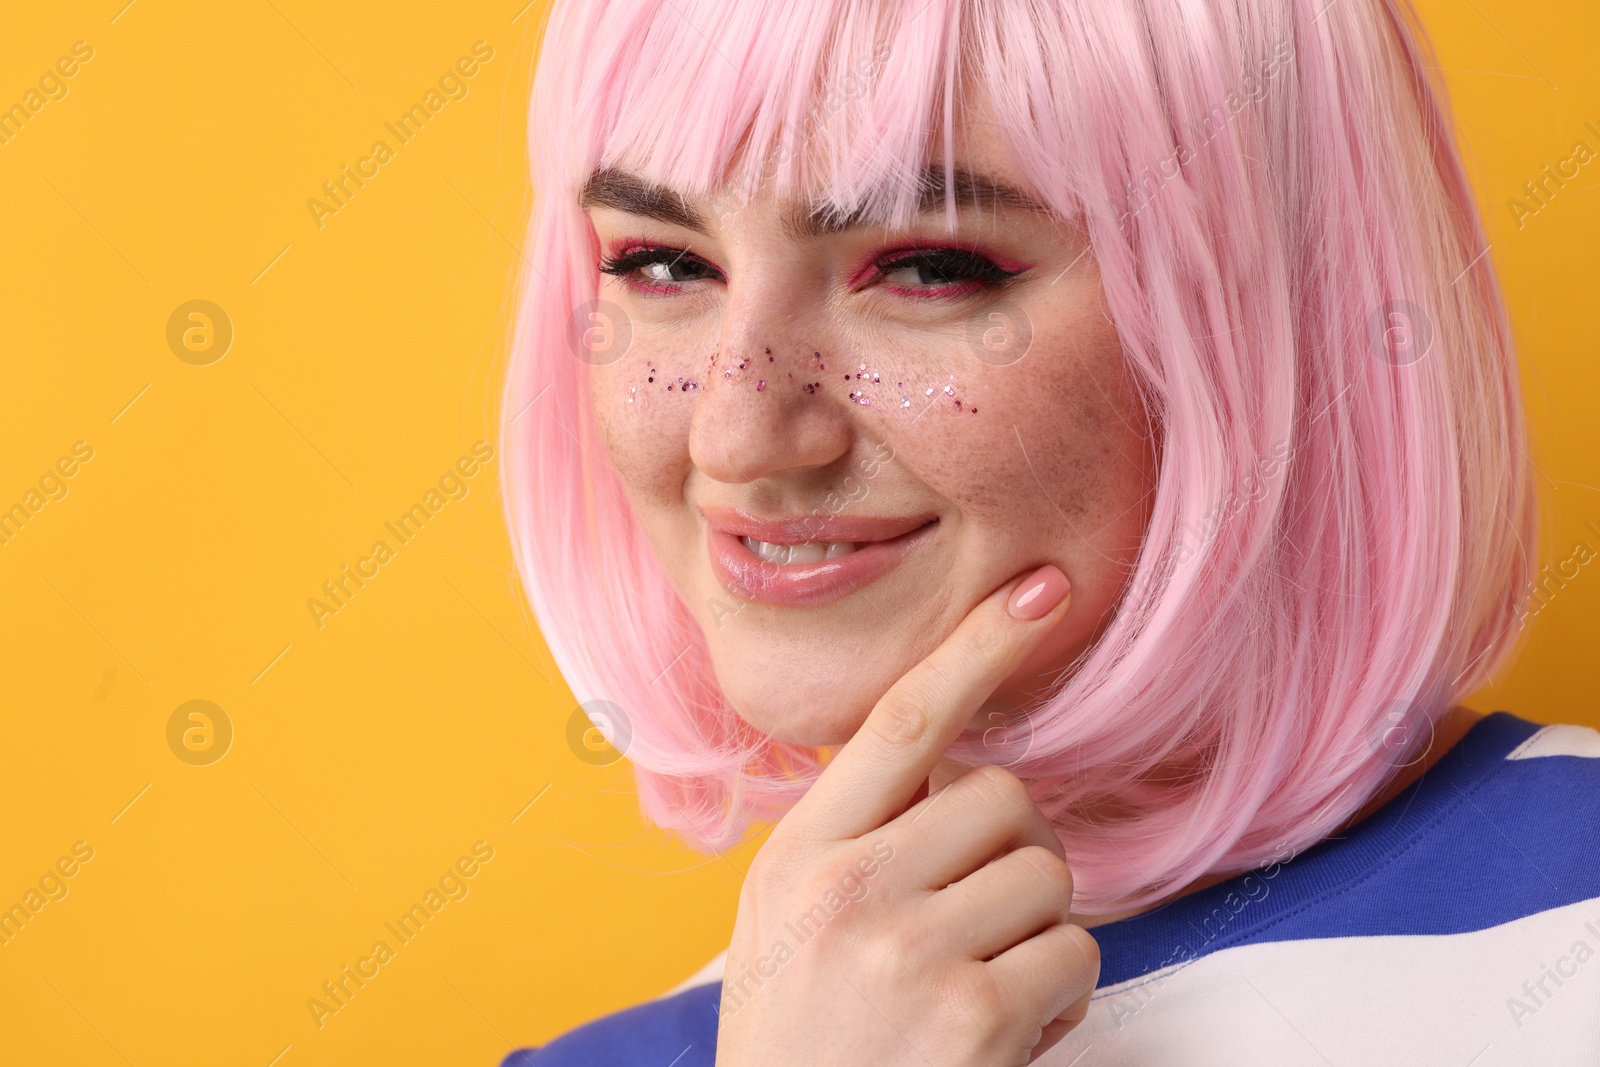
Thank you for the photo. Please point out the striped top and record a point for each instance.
(1457, 925)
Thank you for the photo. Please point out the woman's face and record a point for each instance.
(925, 413)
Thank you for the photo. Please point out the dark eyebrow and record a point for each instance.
(619, 189)
(627, 192)
(970, 189)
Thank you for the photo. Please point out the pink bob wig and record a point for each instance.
(1343, 527)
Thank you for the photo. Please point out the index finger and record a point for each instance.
(874, 776)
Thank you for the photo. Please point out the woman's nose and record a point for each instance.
(767, 406)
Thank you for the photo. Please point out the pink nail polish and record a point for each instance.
(1039, 593)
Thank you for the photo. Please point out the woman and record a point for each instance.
(1100, 419)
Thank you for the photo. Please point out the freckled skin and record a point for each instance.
(1055, 465)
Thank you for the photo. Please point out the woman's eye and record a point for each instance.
(934, 272)
(658, 269)
(942, 272)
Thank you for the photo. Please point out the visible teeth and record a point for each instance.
(769, 552)
(809, 552)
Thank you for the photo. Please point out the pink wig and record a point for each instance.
(1344, 525)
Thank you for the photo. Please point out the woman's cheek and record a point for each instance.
(1048, 450)
(962, 440)
(643, 428)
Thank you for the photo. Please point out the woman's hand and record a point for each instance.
(882, 926)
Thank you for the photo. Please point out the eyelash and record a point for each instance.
(624, 264)
(981, 273)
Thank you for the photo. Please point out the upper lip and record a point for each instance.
(818, 526)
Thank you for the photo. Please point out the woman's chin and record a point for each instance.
(800, 710)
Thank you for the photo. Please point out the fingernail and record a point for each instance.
(1039, 593)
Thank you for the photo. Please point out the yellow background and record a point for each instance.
(369, 754)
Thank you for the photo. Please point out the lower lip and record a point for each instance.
(797, 585)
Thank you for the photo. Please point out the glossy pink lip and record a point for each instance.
(882, 544)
